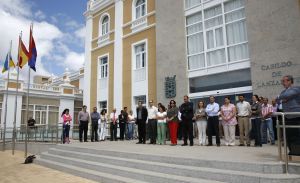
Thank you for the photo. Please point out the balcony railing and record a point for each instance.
(139, 23)
(103, 39)
(42, 87)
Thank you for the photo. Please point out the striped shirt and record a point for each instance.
(266, 109)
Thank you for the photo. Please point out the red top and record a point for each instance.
(67, 119)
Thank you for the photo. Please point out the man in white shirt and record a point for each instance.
(243, 112)
(212, 110)
(152, 122)
(113, 125)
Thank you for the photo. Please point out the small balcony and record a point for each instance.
(103, 39)
(139, 23)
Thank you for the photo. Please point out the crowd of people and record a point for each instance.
(156, 123)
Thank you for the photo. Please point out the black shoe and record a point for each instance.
(80, 140)
(144, 142)
(184, 145)
(209, 145)
(218, 145)
(242, 145)
(92, 141)
(248, 145)
(138, 142)
(191, 144)
(150, 143)
(97, 140)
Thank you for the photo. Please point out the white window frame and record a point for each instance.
(225, 46)
(101, 65)
(145, 52)
(101, 31)
(134, 8)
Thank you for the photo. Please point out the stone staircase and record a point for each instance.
(107, 166)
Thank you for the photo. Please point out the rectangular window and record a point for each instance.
(140, 10)
(195, 41)
(216, 35)
(103, 105)
(140, 98)
(191, 3)
(140, 56)
(103, 70)
(226, 80)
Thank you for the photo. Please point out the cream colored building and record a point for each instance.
(48, 97)
(123, 61)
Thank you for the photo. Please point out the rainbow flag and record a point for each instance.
(23, 54)
(8, 63)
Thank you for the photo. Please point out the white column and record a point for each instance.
(87, 61)
(118, 56)
(11, 109)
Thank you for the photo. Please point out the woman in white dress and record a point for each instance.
(103, 124)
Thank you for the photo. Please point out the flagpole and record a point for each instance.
(16, 101)
(27, 99)
(6, 98)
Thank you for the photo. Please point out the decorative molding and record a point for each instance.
(148, 15)
(133, 33)
(97, 38)
(98, 47)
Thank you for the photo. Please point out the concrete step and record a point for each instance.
(85, 173)
(160, 172)
(272, 167)
(106, 173)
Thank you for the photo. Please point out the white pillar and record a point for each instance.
(11, 109)
(87, 61)
(118, 56)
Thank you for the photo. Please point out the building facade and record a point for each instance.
(129, 53)
(162, 50)
(241, 46)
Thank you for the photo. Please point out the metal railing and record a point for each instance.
(44, 133)
(38, 133)
(283, 126)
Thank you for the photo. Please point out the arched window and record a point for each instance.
(140, 8)
(105, 25)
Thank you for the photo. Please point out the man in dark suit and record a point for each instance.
(122, 122)
(290, 99)
(142, 115)
(187, 113)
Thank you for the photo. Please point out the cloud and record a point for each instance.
(52, 43)
(80, 33)
(72, 24)
(74, 61)
(39, 15)
(16, 7)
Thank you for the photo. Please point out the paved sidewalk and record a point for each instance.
(13, 171)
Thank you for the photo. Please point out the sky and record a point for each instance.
(58, 30)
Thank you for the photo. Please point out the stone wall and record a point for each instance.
(274, 43)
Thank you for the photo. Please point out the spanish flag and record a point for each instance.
(23, 54)
(8, 63)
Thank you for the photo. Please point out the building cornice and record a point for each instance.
(96, 6)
